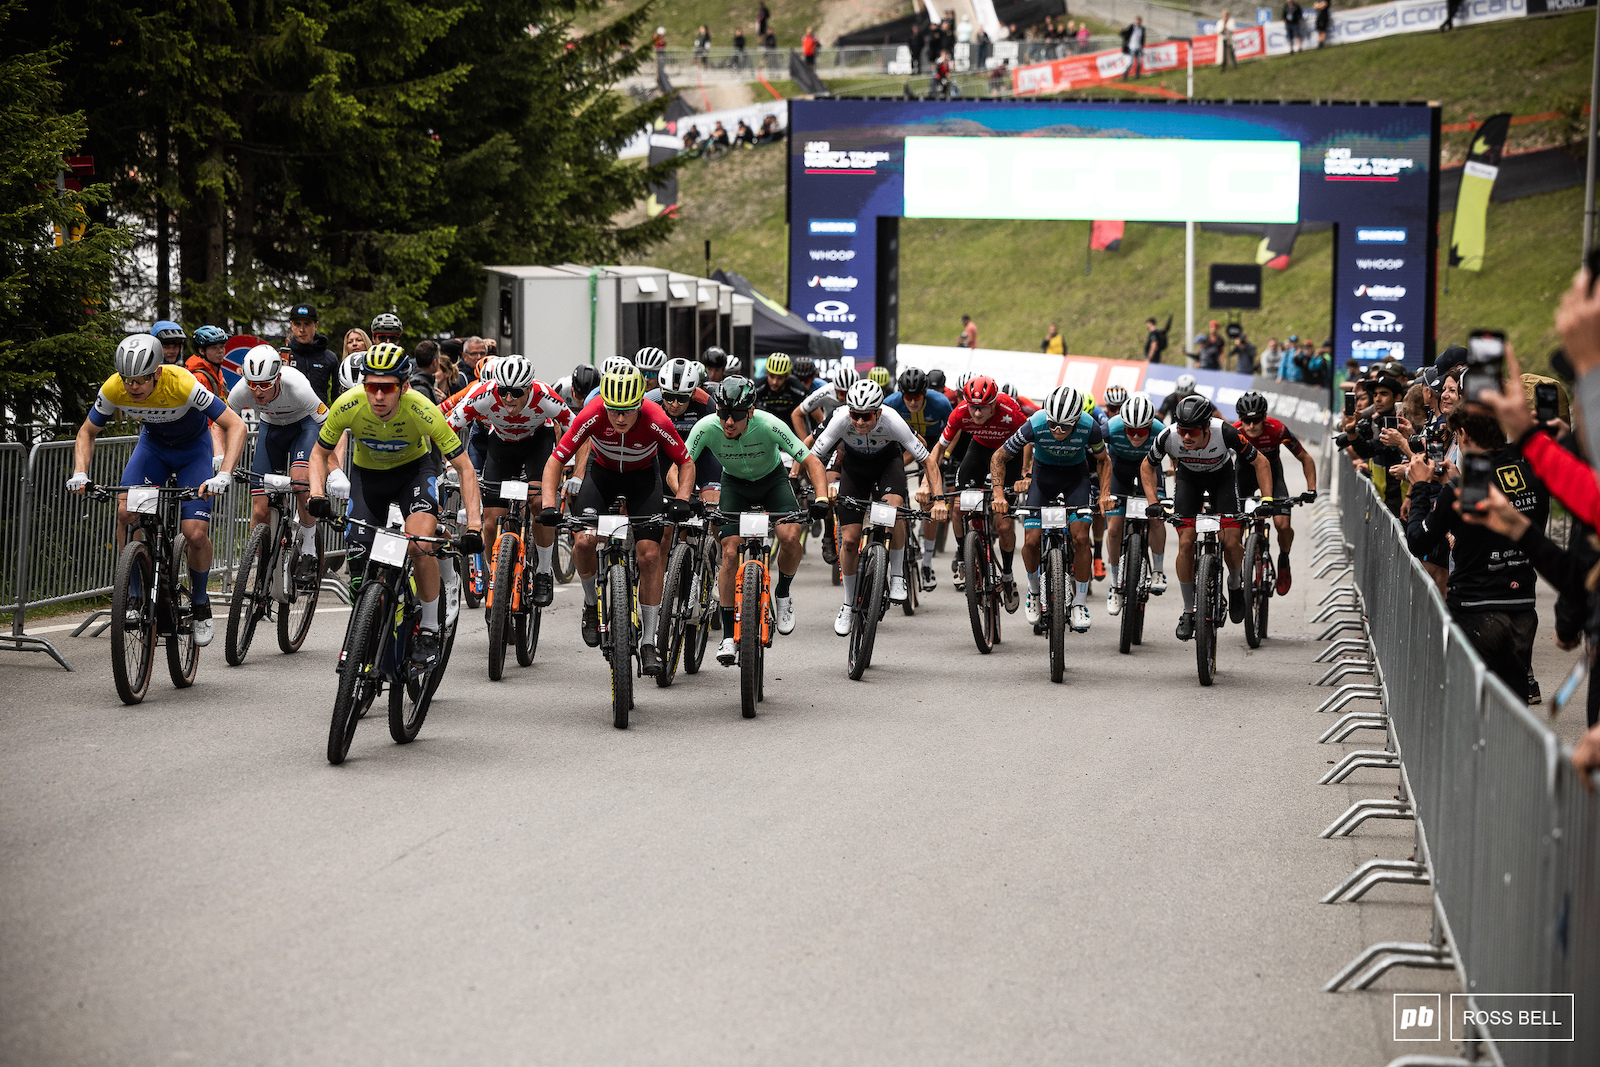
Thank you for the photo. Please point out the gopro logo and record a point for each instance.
(837, 227)
(1372, 235)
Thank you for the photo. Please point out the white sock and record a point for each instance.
(927, 552)
(897, 564)
(849, 589)
(590, 597)
(430, 614)
(1111, 572)
(308, 540)
(648, 613)
(1033, 582)
(546, 553)
(1159, 559)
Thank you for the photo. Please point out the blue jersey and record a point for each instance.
(1086, 439)
(929, 423)
(1124, 450)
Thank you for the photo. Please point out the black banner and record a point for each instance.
(1236, 286)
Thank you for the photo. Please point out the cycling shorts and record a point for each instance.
(975, 467)
(707, 470)
(868, 478)
(518, 460)
(152, 463)
(641, 488)
(413, 486)
(478, 447)
(280, 447)
(773, 494)
(1125, 481)
(1192, 488)
(1247, 479)
(1050, 481)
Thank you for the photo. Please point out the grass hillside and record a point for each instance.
(828, 18)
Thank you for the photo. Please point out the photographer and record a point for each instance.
(1378, 439)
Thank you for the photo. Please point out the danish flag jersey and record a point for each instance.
(483, 404)
(634, 450)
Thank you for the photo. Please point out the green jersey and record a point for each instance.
(752, 455)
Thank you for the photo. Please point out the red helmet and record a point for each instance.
(980, 390)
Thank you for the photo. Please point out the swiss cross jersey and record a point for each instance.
(484, 404)
(293, 401)
(632, 451)
(1123, 450)
(1006, 420)
(1274, 435)
(1085, 439)
(1215, 453)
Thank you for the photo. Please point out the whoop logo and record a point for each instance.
(1377, 322)
(833, 255)
(830, 311)
(1364, 264)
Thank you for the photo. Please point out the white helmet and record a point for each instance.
(865, 395)
(138, 354)
(649, 359)
(349, 371)
(261, 364)
(1184, 385)
(1064, 407)
(679, 378)
(615, 363)
(701, 373)
(515, 372)
(489, 369)
(1137, 412)
(844, 376)
(963, 378)
(1013, 392)
(734, 366)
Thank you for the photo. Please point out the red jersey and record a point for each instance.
(1028, 407)
(1273, 434)
(1006, 420)
(483, 403)
(632, 451)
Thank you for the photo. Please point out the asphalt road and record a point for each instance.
(952, 861)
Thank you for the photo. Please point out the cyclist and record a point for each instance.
(734, 366)
(1184, 386)
(1029, 408)
(522, 416)
(805, 373)
(1111, 403)
(1202, 448)
(1271, 436)
(872, 439)
(927, 413)
(1055, 446)
(750, 445)
(395, 431)
(988, 418)
(779, 393)
(882, 377)
(716, 363)
(170, 334)
(576, 387)
(619, 364)
(936, 382)
(685, 403)
(819, 406)
(387, 329)
(1128, 441)
(1099, 527)
(291, 416)
(650, 360)
(625, 430)
(210, 344)
(176, 415)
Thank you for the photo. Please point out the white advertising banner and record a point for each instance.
(752, 114)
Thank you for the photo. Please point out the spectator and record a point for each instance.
(763, 18)
(472, 353)
(999, 77)
(769, 130)
(738, 48)
(1319, 365)
(691, 140)
(309, 353)
(1083, 37)
(744, 135)
(702, 45)
(448, 380)
(1450, 9)
(210, 345)
(1211, 346)
(980, 51)
(659, 43)
(719, 135)
(769, 49)
(1155, 340)
(1324, 19)
(1377, 440)
(170, 334)
(964, 30)
(356, 340)
(1226, 27)
(1243, 354)
(1133, 47)
(919, 44)
(426, 356)
(808, 48)
(969, 333)
(1269, 359)
(1294, 17)
(1053, 344)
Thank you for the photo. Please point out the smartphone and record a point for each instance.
(1476, 470)
(1388, 422)
(1486, 357)
(1546, 402)
(1350, 403)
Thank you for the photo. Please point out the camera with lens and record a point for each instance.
(1362, 432)
(1417, 442)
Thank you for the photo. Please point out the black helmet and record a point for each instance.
(1251, 405)
(1193, 411)
(804, 367)
(913, 382)
(736, 393)
(585, 380)
(936, 379)
(714, 357)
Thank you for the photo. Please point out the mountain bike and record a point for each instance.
(1211, 593)
(980, 568)
(150, 594)
(377, 643)
(688, 600)
(1260, 575)
(474, 573)
(1133, 582)
(265, 584)
(1055, 577)
(562, 563)
(754, 620)
(619, 602)
(872, 577)
(513, 616)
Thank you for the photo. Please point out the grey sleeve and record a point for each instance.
(1589, 401)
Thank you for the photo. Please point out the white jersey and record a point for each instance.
(484, 404)
(1215, 452)
(890, 431)
(825, 400)
(294, 400)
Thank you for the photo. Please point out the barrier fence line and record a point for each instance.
(1509, 835)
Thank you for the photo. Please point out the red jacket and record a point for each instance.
(1569, 479)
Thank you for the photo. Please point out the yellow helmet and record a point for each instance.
(779, 364)
(882, 376)
(622, 389)
(387, 358)
(1088, 403)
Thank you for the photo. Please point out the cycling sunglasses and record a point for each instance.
(863, 416)
(381, 388)
(515, 392)
(676, 398)
(733, 414)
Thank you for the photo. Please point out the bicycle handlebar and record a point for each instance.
(106, 492)
(346, 521)
(903, 512)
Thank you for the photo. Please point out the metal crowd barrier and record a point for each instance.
(1508, 833)
(63, 546)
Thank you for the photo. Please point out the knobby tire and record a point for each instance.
(183, 654)
(248, 603)
(1056, 596)
(978, 612)
(1252, 588)
(1132, 576)
(1205, 627)
(621, 627)
(750, 649)
(133, 651)
(871, 575)
(359, 680)
(500, 605)
(675, 608)
(294, 618)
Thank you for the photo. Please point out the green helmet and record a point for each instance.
(736, 393)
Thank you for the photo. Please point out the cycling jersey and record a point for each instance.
(295, 400)
(177, 413)
(1006, 420)
(889, 434)
(930, 421)
(824, 400)
(1029, 408)
(780, 401)
(1215, 453)
(752, 455)
(386, 444)
(707, 471)
(634, 450)
(1084, 440)
(483, 404)
(1123, 450)
(1274, 434)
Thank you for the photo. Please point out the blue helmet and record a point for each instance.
(166, 330)
(210, 335)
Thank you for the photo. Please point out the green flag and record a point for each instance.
(1468, 236)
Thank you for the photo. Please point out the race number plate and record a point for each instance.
(510, 490)
(144, 499)
(276, 483)
(395, 519)
(389, 548)
(754, 524)
(695, 523)
(882, 514)
(972, 500)
(1136, 507)
(612, 525)
(1251, 505)
(1052, 518)
(1207, 524)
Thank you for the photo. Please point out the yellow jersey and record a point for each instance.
(384, 444)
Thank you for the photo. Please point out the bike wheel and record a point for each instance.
(183, 654)
(133, 648)
(359, 679)
(872, 578)
(1205, 627)
(1132, 575)
(563, 564)
(248, 601)
(618, 608)
(978, 612)
(409, 703)
(294, 618)
(750, 647)
(474, 580)
(528, 631)
(908, 566)
(500, 594)
(1055, 576)
(1252, 588)
(675, 606)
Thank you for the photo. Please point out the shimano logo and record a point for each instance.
(833, 226)
(833, 284)
(830, 311)
(1365, 264)
(1381, 292)
(1377, 322)
(833, 255)
(1372, 235)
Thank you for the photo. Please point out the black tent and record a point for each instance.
(777, 329)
